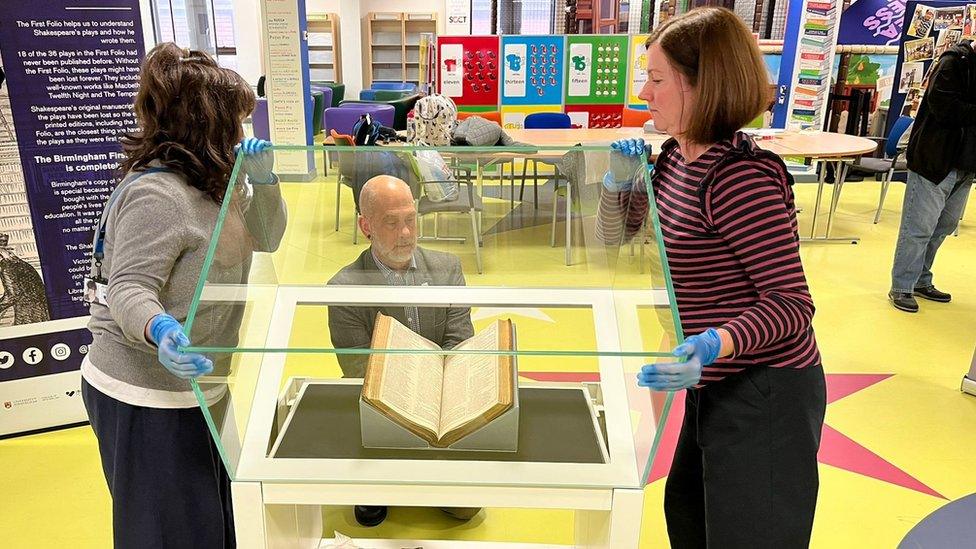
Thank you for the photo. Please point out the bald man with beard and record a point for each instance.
(388, 218)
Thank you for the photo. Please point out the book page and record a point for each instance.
(471, 382)
(411, 383)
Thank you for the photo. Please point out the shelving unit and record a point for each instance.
(324, 56)
(393, 38)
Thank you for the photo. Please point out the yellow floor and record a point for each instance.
(916, 420)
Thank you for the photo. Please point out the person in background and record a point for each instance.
(389, 221)
(941, 161)
(745, 469)
(168, 485)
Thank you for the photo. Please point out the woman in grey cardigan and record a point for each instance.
(168, 485)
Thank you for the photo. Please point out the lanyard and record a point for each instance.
(98, 248)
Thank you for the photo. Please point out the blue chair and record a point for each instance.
(892, 161)
(406, 88)
(548, 121)
(394, 86)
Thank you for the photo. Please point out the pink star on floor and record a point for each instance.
(836, 449)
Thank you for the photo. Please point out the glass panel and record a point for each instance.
(505, 260)
(164, 21)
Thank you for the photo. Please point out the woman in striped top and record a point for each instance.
(745, 470)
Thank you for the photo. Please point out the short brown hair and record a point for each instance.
(721, 59)
(189, 111)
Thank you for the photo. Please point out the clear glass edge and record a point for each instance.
(201, 282)
(678, 332)
(669, 399)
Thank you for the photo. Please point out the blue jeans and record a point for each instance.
(929, 214)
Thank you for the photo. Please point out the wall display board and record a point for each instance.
(71, 76)
(637, 61)
(586, 76)
(533, 70)
(929, 29)
(596, 69)
(469, 70)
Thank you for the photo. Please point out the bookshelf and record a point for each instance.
(393, 39)
(324, 56)
(814, 62)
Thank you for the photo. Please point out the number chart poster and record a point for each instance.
(596, 70)
(532, 70)
(71, 69)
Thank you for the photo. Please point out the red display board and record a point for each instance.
(596, 116)
(468, 69)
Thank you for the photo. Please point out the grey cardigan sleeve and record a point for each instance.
(147, 236)
(266, 216)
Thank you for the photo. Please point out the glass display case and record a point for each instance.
(526, 278)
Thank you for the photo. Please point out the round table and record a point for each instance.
(838, 148)
(807, 144)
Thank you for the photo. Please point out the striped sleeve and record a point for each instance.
(621, 214)
(748, 210)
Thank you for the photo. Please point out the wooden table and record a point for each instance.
(840, 149)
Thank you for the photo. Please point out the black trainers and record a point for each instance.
(903, 301)
(370, 515)
(932, 294)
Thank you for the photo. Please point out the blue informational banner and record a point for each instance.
(71, 71)
(533, 72)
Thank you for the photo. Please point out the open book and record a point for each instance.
(440, 398)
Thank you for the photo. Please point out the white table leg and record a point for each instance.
(260, 526)
(248, 515)
(620, 527)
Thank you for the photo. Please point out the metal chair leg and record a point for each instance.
(477, 239)
(338, 197)
(525, 165)
(535, 184)
(555, 203)
(884, 193)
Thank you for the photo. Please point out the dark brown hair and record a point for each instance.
(189, 111)
(720, 58)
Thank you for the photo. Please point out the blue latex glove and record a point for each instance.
(617, 179)
(258, 160)
(629, 147)
(167, 333)
(698, 350)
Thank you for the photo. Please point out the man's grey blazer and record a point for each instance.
(352, 326)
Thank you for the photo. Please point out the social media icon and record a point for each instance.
(60, 351)
(32, 355)
(6, 360)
